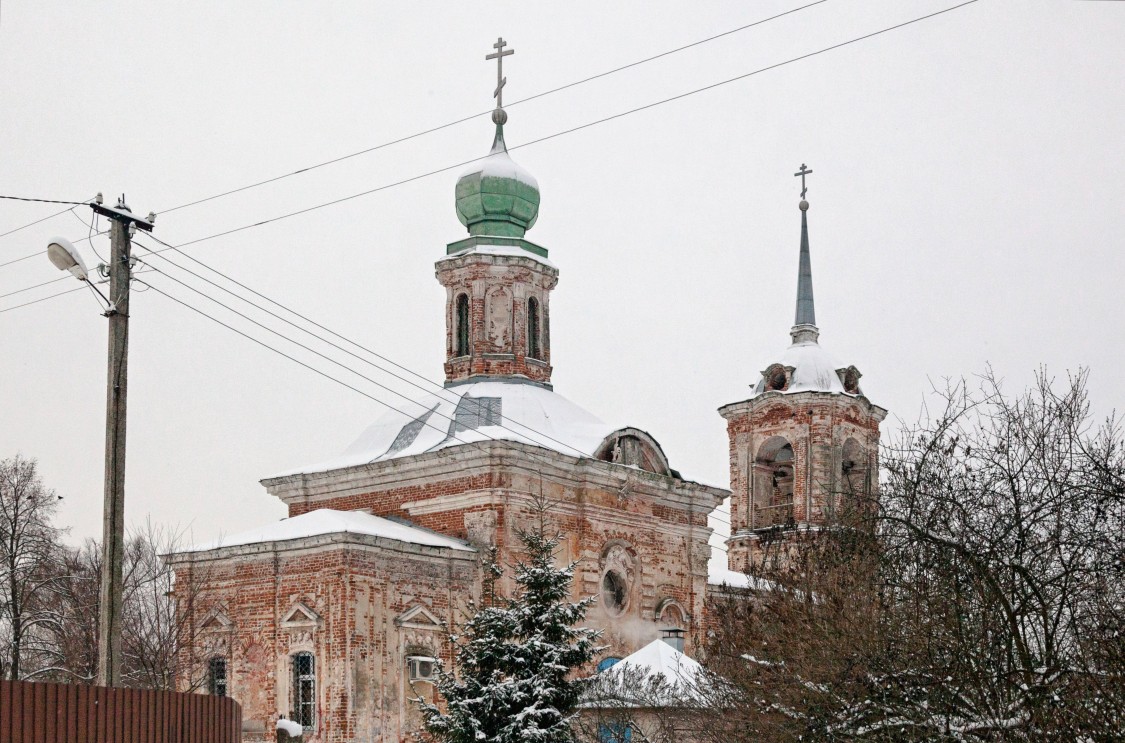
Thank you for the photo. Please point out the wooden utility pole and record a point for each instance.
(113, 519)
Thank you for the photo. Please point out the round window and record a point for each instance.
(614, 592)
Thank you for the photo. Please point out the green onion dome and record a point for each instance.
(495, 196)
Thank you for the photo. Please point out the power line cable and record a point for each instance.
(265, 345)
(580, 127)
(482, 113)
(32, 224)
(40, 252)
(437, 387)
(382, 386)
(43, 201)
(42, 299)
(36, 286)
(449, 395)
(561, 133)
(452, 397)
(448, 434)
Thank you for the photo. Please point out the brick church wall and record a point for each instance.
(355, 591)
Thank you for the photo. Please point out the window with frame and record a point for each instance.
(217, 676)
(462, 325)
(304, 690)
(533, 328)
(615, 732)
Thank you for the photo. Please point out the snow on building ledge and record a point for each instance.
(328, 525)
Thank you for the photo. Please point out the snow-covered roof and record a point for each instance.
(719, 575)
(660, 659)
(469, 412)
(814, 369)
(328, 521)
(655, 675)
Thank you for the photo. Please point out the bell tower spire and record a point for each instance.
(804, 444)
(806, 315)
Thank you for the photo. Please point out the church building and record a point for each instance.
(334, 617)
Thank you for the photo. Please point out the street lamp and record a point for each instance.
(66, 258)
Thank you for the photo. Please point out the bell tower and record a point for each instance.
(497, 283)
(804, 442)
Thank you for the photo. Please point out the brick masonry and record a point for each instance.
(650, 528)
(498, 288)
(834, 440)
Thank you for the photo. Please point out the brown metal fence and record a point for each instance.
(32, 712)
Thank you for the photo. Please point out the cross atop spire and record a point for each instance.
(803, 172)
(499, 55)
(805, 322)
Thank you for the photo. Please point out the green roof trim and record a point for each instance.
(469, 243)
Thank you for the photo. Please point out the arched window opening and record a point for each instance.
(773, 485)
(462, 328)
(533, 328)
(217, 676)
(854, 480)
(304, 690)
(614, 592)
(776, 378)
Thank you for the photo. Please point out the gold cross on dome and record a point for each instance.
(803, 172)
(499, 55)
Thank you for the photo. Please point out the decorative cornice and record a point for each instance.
(467, 460)
(465, 247)
(338, 540)
(760, 400)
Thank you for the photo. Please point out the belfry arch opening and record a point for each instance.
(461, 321)
(772, 485)
(855, 477)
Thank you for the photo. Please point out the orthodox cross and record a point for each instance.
(500, 79)
(803, 172)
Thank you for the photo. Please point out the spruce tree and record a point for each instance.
(514, 657)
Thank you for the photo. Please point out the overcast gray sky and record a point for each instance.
(966, 210)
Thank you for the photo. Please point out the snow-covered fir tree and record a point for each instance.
(515, 656)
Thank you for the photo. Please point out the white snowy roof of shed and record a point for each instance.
(660, 659)
(470, 412)
(675, 680)
(328, 521)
